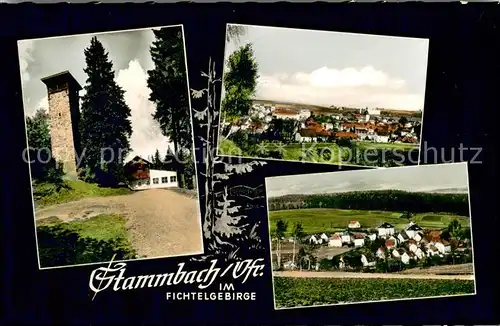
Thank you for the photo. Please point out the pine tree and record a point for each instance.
(105, 119)
(169, 161)
(168, 85)
(157, 161)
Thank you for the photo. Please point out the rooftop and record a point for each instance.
(64, 76)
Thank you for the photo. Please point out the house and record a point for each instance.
(335, 241)
(380, 253)
(432, 236)
(359, 240)
(440, 247)
(447, 246)
(328, 126)
(381, 138)
(365, 262)
(324, 237)
(385, 229)
(395, 253)
(372, 236)
(354, 225)
(412, 245)
(419, 253)
(346, 135)
(390, 243)
(393, 238)
(289, 265)
(412, 230)
(314, 239)
(403, 236)
(432, 251)
(417, 237)
(405, 258)
(141, 177)
(346, 238)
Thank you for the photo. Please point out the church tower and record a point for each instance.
(64, 113)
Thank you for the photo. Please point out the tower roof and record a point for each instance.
(61, 77)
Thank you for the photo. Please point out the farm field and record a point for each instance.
(318, 220)
(460, 269)
(328, 152)
(299, 292)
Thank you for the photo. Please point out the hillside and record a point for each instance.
(319, 220)
(378, 200)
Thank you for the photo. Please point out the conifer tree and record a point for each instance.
(169, 91)
(105, 119)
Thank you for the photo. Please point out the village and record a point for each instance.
(409, 246)
(310, 125)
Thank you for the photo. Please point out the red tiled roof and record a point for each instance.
(343, 134)
(390, 243)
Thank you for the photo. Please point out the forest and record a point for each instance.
(382, 200)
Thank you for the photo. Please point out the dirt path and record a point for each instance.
(371, 275)
(161, 222)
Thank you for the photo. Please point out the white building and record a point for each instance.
(405, 258)
(412, 229)
(359, 242)
(386, 229)
(354, 225)
(346, 238)
(141, 177)
(335, 241)
(367, 263)
(157, 179)
(381, 139)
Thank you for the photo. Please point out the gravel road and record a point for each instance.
(371, 275)
(160, 222)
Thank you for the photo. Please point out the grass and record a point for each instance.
(330, 152)
(101, 227)
(317, 220)
(297, 292)
(46, 194)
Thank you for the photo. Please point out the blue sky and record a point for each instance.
(330, 68)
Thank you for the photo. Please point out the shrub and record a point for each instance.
(58, 246)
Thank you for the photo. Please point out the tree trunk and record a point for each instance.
(278, 253)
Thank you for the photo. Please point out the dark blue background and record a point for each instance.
(461, 107)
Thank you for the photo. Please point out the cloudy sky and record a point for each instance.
(425, 178)
(328, 68)
(129, 52)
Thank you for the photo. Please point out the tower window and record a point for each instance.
(60, 114)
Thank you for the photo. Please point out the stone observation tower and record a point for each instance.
(64, 115)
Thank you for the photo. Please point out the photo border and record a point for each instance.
(374, 301)
(323, 163)
(188, 90)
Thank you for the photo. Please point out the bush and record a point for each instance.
(344, 142)
(326, 264)
(228, 147)
(58, 246)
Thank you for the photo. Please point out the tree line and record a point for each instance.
(105, 116)
(384, 200)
